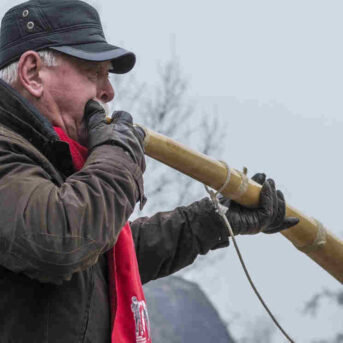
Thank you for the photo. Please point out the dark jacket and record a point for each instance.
(57, 224)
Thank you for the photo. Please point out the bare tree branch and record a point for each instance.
(165, 108)
(312, 306)
(261, 330)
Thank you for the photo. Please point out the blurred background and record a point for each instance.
(257, 84)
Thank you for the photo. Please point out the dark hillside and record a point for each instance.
(180, 312)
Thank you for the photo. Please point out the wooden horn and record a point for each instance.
(309, 236)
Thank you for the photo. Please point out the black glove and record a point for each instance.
(118, 130)
(268, 217)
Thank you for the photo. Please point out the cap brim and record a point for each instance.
(122, 60)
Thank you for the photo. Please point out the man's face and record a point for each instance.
(69, 86)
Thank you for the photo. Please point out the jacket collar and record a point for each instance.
(19, 115)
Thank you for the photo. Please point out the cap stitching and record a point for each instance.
(44, 19)
(12, 59)
(44, 33)
(19, 29)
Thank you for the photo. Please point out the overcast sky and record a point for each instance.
(272, 70)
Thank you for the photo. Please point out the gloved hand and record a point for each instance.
(118, 130)
(268, 217)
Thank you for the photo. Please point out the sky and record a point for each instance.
(272, 71)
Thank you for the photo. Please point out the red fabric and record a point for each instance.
(129, 316)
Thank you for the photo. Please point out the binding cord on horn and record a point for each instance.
(222, 212)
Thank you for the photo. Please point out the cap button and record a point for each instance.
(25, 13)
(30, 25)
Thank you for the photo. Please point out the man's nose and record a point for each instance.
(106, 93)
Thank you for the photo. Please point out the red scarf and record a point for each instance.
(129, 315)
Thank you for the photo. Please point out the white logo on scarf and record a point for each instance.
(142, 321)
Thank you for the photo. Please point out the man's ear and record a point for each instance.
(29, 77)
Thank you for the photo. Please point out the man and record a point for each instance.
(69, 181)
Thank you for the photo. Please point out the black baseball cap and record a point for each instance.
(72, 27)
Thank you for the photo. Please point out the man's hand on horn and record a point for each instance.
(117, 130)
(268, 217)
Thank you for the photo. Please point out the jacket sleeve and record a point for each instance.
(50, 231)
(169, 241)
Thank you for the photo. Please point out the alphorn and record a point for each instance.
(309, 235)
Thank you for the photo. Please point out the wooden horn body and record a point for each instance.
(309, 236)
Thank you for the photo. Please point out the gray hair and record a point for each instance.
(9, 74)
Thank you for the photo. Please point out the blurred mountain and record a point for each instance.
(180, 312)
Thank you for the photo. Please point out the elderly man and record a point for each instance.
(69, 180)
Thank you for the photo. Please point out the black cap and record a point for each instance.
(69, 26)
